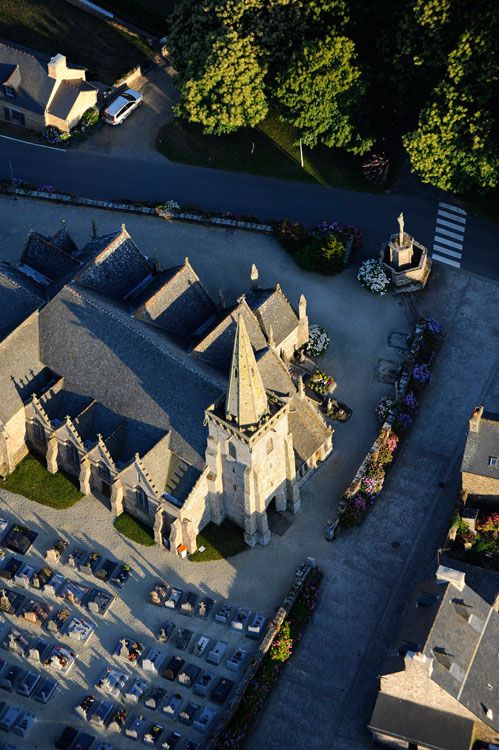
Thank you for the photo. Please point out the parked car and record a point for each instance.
(117, 112)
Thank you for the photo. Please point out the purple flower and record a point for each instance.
(422, 374)
(411, 401)
(434, 327)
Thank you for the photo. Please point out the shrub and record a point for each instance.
(330, 253)
(372, 277)
(422, 374)
(318, 341)
(282, 647)
(384, 407)
(292, 236)
(373, 479)
(306, 257)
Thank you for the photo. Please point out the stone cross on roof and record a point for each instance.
(246, 397)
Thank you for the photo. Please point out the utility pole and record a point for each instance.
(12, 179)
(301, 154)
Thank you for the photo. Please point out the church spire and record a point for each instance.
(246, 398)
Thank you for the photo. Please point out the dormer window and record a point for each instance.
(232, 450)
(9, 91)
(493, 461)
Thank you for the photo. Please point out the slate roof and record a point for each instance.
(421, 725)
(96, 420)
(217, 343)
(274, 374)
(17, 300)
(181, 478)
(46, 258)
(460, 631)
(180, 304)
(482, 444)
(484, 582)
(63, 403)
(117, 265)
(25, 372)
(66, 97)
(309, 431)
(129, 438)
(273, 309)
(63, 241)
(125, 366)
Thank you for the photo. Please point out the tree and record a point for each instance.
(320, 93)
(228, 90)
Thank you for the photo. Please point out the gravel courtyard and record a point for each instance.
(332, 676)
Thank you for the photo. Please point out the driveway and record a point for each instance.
(138, 133)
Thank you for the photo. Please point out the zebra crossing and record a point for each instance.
(449, 234)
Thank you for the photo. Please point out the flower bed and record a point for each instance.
(320, 382)
(252, 702)
(87, 123)
(373, 278)
(480, 547)
(397, 417)
(318, 341)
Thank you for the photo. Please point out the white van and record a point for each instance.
(117, 112)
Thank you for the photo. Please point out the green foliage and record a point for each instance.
(135, 530)
(292, 236)
(220, 542)
(31, 479)
(330, 253)
(228, 92)
(320, 94)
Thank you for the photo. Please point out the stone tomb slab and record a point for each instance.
(99, 601)
(10, 568)
(154, 697)
(201, 645)
(85, 708)
(112, 681)
(136, 690)
(173, 705)
(15, 641)
(106, 570)
(387, 371)
(101, 713)
(165, 631)
(172, 741)
(159, 594)
(42, 577)
(205, 719)
(152, 662)
(90, 563)
(24, 724)
(4, 525)
(152, 736)
(61, 659)
(188, 604)
(221, 690)
(205, 607)
(189, 712)
(35, 611)
(45, 690)
(80, 629)
(73, 591)
(171, 670)
(398, 340)
(189, 675)
(103, 745)
(9, 718)
(224, 613)
(128, 650)
(182, 638)
(256, 626)
(28, 683)
(204, 683)
(54, 586)
(59, 621)
(240, 620)
(83, 741)
(25, 574)
(192, 744)
(55, 552)
(10, 601)
(136, 727)
(77, 557)
(37, 649)
(118, 720)
(19, 538)
(9, 677)
(174, 597)
(217, 653)
(236, 661)
(121, 576)
(66, 738)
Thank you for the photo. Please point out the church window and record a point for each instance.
(38, 431)
(72, 453)
(141, 499)
(232, 450)
(270, 445)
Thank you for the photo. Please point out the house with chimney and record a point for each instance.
(480, 465)
(159, 401)
(439, 685)
(37, 90)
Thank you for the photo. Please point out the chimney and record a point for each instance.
(448, 575)
(254, 277)
(475, 419)
(418, 662)
(57, 67)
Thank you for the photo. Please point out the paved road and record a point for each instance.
(151, 177)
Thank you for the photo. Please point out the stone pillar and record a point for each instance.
(214, 481)
(303, 321)
(52, 454)
(176, 536)
(262, 525)
(84, 477)
(190, 536)
(250, 506)
(117, 497)
(158, 526)
(293, 492)
(250, 530)
(254, 277)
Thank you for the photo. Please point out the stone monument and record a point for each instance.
(405, 261)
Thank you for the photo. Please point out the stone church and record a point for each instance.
(129, 377)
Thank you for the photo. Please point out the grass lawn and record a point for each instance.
(221, 541)
(31, 479)
(53, 26)
(135, 530)
(150, 15)
(275, 154)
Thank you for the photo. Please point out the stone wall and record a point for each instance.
(273, 628)
(480, 485)
(31, 120)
